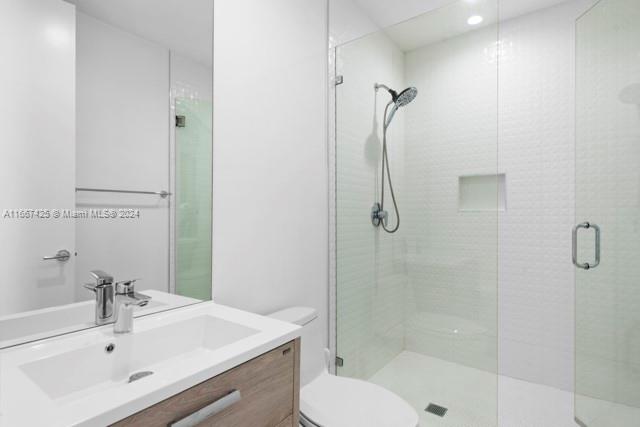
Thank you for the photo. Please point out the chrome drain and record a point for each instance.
(436, 409)
(139, 375)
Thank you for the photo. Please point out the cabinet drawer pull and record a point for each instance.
(209, 410)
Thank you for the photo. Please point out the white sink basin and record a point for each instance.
(72, 381)
(89, 369)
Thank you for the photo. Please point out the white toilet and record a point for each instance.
(330, 401)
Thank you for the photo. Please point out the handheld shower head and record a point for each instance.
(378, 214)
(398, 99)
(406, 96)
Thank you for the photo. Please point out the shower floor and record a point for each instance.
(470, 396)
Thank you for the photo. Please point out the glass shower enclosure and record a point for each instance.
(607, 237)
(416, 310)
(193, 197)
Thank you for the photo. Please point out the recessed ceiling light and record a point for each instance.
(475, 20)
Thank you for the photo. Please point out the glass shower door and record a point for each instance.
(607, 238)
(193, 198)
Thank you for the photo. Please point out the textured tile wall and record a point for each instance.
(536, 152)
(451, 131)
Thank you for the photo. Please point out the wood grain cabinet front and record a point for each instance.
(263, 392)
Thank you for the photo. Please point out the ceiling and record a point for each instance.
(414, 23)
(385, 12)
(186, 26)
(183, 26)
(442, 23)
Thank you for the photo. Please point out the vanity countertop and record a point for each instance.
(73, 380)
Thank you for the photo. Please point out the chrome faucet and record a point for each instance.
(103, 288)
(115, 303)
(126, 299)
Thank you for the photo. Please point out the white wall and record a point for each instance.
(37, 158)
(270, 159)
(122, 143)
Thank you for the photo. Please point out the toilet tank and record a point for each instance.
(312, 358)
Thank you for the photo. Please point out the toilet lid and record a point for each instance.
(332, 401)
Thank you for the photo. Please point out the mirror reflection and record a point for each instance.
(107, 184)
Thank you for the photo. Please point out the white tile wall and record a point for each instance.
(451, 132)
(537, 155)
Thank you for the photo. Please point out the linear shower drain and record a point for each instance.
(436, 409)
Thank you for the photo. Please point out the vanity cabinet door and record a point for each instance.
(268, 387)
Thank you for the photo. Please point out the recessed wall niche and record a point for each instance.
(482, 193)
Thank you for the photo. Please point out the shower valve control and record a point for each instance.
(378, 215)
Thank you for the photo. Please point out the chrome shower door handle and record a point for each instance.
(597, 256)
(574, 251)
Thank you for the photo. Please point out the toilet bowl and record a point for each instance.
(327, 400)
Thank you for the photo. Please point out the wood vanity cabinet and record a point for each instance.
(269, 389)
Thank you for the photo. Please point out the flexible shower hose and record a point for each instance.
(385, 167)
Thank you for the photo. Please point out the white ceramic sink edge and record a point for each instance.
(29, 398)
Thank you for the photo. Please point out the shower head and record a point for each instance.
(400, 99)
(397, 99)
(406, 96)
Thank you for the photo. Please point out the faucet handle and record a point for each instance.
(102, 278)
(126, 286)
(90, 286)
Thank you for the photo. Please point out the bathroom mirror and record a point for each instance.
(106, 162)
